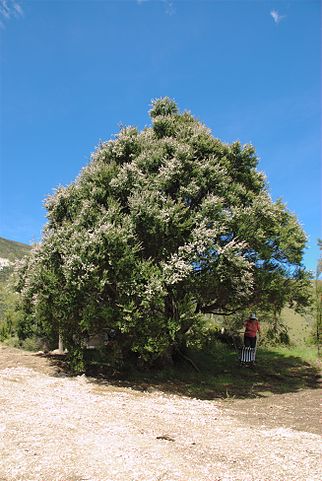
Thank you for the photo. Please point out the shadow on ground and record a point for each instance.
(225, 378)
(220, 374)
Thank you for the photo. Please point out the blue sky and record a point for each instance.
(72, 71)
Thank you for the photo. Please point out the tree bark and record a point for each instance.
(60, 344)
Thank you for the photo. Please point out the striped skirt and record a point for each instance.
(247, 354)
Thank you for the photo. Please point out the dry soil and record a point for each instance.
(57, 428)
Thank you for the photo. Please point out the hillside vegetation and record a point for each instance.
(10, 251)
(13, 250)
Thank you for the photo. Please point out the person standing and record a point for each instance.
(252, 326)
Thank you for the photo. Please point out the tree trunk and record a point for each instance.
(60, 344)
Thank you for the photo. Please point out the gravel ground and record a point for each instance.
(73, 429)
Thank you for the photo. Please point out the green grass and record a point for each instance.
(307, 353)
(277, 371)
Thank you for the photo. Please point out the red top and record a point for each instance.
(251, 328)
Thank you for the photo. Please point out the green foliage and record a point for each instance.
(277, 333)
(316, 334)
(76, 359)
(17, 327)
(161, 227)
(10, 316)
(317, 331)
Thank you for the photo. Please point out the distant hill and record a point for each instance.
(10, 251)
(13, 250)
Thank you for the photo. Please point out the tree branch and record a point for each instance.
(215, 309)
(219, 313)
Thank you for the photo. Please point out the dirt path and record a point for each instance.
(56, 428)
(300, 410)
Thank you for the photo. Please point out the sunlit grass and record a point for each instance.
(308, 354)
(277, 370)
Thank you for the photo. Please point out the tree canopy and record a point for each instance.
(161, 227)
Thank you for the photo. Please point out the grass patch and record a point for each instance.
(32, 344)
(277, 371)
(308, 354)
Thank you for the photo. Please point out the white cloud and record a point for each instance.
(9, 9)
(276, 16)
(4, 9)
(18, 8)
(168, 5)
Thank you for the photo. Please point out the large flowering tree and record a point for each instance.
(162, 226)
